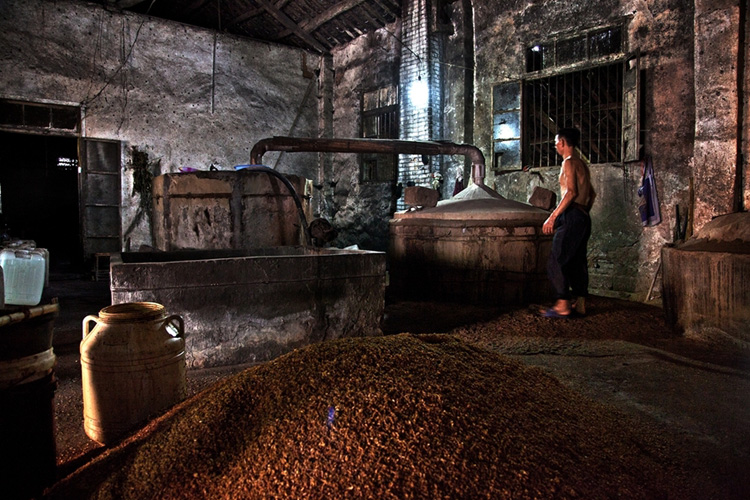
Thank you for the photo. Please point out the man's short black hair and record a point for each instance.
(571, 135)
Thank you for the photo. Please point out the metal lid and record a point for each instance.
(478, 202)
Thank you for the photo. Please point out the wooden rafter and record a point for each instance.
(372, 12)
(254, 12)
(291, 25)
(373, 22)
(330, 14)
(318, 25)
(386, 8)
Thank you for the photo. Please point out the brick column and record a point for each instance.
(419, 74)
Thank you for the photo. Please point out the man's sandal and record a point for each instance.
(551, 313)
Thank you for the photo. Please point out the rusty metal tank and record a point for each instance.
(476, 247)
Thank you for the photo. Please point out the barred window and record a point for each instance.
(379, 121)
(598, 94)
(590, 100)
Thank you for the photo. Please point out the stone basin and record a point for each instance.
(244, 306)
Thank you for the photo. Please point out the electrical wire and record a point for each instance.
(88, 100)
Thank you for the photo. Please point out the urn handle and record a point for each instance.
(86, 321)
(180, 324)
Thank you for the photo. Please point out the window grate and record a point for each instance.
(590, 100)
(380, 120)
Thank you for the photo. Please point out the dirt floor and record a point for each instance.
(693, 394)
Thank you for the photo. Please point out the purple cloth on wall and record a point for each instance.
(649, 204)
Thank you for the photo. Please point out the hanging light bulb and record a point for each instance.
(419, 94)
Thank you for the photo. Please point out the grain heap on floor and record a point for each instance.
(403, 416)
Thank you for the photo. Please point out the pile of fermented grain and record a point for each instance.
(401, 416)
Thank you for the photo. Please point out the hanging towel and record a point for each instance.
(649, 204)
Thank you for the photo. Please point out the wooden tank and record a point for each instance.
(706, 281)
(226, 210)
(476, 247)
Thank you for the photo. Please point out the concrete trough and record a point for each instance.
(242, 306)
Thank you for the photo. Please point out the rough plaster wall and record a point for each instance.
(662, 31)
(360, 211)
(623, 255)
(156, 85)
(745, 176)
(320, 197)
(716, 56)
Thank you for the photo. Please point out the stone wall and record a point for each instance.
(360, 211)
(717, 94)
(187, 96)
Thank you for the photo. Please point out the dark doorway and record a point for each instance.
(39, 194)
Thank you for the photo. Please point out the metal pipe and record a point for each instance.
(383, 146)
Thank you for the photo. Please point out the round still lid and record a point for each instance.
(478, 202)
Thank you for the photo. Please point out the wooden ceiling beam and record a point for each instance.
(254, 12)
(395, 7)
(374, 22)
(291, 25)
(375, 16)
(327, 16)
(330, 14)
(323, 40)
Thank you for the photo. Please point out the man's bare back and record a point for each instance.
(577, 172)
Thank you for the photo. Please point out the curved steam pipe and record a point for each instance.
(387, 146)
(295, 196)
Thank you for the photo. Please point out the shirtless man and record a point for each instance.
(570, 222)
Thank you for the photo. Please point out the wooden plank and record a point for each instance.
(290, 24)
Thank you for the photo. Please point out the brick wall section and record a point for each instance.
(415, 122)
